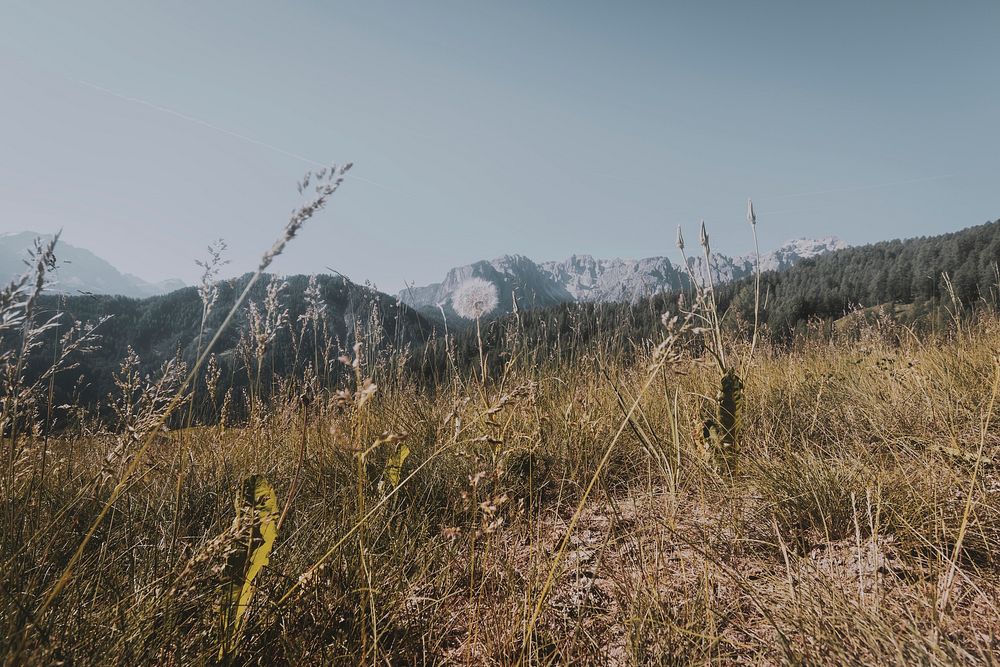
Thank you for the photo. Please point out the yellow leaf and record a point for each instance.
(258, 504)
(394, 466)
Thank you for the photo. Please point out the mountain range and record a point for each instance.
(78, 270)
(583, 278)
(578, 279)
(932, 276)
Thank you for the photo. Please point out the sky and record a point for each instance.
(146, 130)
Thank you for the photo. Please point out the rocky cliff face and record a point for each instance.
(515, 277)
(584, 278)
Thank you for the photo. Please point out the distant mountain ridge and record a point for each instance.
(78, 270)
(577, 279)
(583, 278)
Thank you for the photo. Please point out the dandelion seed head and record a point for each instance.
(475, 298)
(751, 216)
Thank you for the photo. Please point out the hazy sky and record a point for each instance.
(146, 130)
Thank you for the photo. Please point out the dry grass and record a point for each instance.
(568, 512)
(832, 544)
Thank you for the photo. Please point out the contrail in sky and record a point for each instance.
(314, 163)
(236, 135)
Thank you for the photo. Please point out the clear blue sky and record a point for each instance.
(146, 129)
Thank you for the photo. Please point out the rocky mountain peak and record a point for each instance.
(584, 278)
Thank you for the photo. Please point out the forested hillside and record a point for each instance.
(290, 315)
(915, 271)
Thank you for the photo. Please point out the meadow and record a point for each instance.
(708, 495)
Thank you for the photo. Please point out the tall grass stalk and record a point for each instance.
(323, 192)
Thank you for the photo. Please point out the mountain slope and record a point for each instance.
(924, 271)
(158, 328)
(78, 270)
(583, 278)
(921, 282)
